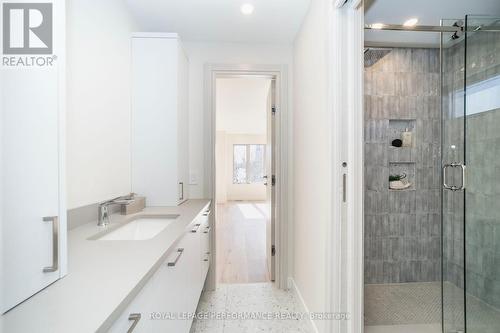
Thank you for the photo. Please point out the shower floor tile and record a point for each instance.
(425, 328)
(402, 304)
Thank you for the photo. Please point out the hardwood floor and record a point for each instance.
(241, 242)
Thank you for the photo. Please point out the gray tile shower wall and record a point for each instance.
(403, 228)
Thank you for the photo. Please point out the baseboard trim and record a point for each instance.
(295, 289)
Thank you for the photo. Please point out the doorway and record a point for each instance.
(281, 156)
(244, 179)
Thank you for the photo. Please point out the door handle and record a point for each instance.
(136, 317)
(55, 244)
(453, 187)
(344, 187)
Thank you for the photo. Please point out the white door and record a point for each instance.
(270, 166)
(30, 177)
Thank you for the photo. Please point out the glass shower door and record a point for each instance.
(482, 213)
(453, 195)
(470, 215)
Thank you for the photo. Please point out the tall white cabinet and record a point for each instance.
(32, 186)
(160, 160)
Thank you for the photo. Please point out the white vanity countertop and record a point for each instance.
(103, 276)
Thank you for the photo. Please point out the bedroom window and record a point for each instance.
(248, 164)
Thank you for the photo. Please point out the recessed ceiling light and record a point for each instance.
(411, 22)
(377, 25)
(247, 9)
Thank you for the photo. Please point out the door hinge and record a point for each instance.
(273, 250)
(273, 180)
(273, 110)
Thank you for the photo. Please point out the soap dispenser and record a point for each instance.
(406, 137)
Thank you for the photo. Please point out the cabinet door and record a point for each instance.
(137, 314)
(170, 294)
(183, 123)
(154, 138)
(30, 180)
(192, 241)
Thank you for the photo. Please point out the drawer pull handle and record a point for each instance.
(136, 317)
(196, 227)
(207, 230)
(207, 213)
(179, 254)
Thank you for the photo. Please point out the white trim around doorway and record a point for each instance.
(283, 226)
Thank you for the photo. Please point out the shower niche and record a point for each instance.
(403, 130)
(402, 154)
(405, 169)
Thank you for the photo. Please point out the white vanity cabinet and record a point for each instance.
(170, 297)
(159, 137)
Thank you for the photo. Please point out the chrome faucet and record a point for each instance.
(103, 218)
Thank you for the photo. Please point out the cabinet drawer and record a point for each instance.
(137, 314)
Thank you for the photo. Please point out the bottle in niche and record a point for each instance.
(406, 137)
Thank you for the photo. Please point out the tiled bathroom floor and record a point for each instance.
(248, 298)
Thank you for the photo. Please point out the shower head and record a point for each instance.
(373, 55)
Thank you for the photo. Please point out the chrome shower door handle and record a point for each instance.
(55, 244)
(445, 185)
(453, 187)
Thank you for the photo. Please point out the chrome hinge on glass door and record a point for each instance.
(454, 187)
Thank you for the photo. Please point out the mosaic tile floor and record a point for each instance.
(249, 298)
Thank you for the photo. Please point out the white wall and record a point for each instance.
(312, 155)
(241, 105)
(98, 99)
(226, 190)
(220, 53)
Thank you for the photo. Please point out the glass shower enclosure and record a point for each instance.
(470, 92)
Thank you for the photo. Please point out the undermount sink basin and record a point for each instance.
(140, 229)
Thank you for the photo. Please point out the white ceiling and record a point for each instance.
(273, 21)
(429, 12)
(241, 105)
